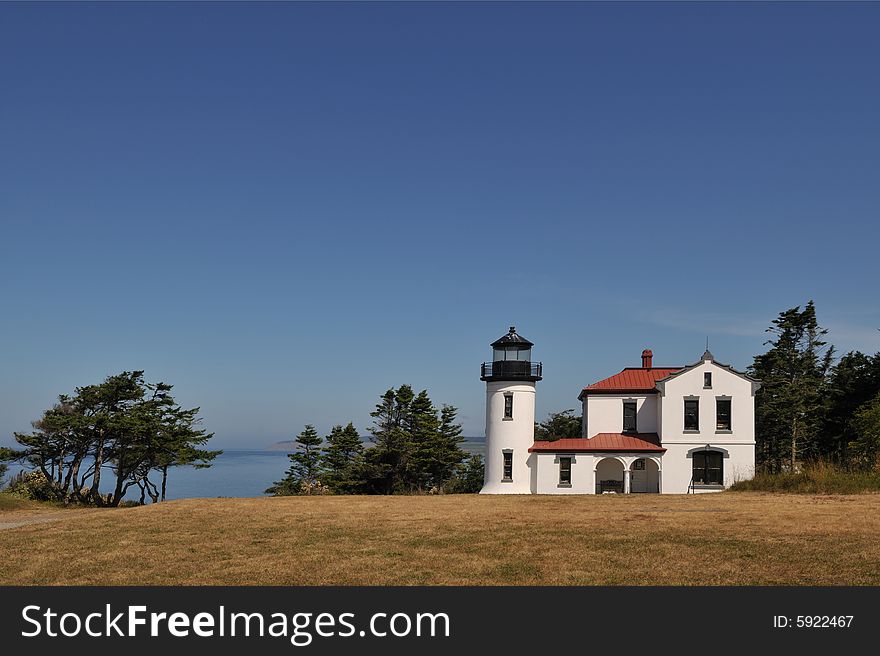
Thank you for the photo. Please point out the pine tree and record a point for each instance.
(344, 460)
(305, 466)
(468, 477)
(789, 406)
(449, 454)
(853, 382)
(865, 448)
(423, 427)
(558, 425)
(387, 461)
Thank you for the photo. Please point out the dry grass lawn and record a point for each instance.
(717, 539)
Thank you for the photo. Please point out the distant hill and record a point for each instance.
(476, 445)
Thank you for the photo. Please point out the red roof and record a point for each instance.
(631, 379)
(604, 442)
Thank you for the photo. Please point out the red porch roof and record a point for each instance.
(642, 442)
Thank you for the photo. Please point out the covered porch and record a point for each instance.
(628, 474)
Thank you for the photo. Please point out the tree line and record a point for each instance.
(125, 429)
(414, 447)
(811, 407)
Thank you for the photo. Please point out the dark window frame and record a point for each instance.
(635, 416)
(563, 471)
(707, 468)
(707, 380)
(507, 466)
(508, 406)
(694, 425)
(719, 424)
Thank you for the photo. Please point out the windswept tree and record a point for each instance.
(306, 464)
(125, 427)
(789, 406)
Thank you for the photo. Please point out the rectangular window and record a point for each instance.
(565, 471)
(508, 406)
(707, 379)
(508, 466)
(722, 414)
(691, 414)
(708, 468)
(629, 416)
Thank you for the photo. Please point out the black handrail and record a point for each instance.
(511, 369)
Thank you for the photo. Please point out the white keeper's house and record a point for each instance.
(673, 430)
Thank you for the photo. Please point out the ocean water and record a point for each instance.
(234, 473)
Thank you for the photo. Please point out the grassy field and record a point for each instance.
(728, 538)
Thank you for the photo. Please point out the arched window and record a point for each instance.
(708, 468)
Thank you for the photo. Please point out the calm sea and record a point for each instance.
(234, 473)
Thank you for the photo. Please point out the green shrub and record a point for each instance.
(815, 478)
(32, 485)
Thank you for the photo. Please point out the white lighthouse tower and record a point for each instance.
(510, 415)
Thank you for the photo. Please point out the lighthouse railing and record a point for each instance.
(511, 369)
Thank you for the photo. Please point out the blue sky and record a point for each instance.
(285, 209)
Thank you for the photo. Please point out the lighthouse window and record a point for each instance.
(507, 475)
(508, 406)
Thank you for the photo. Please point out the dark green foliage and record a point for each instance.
(468, 477)
(853, 382)
(125, 427)
(789, 408)
(344, 460)
(3, 469)
(33, 485)
(304, 474)
(819, 477)
(413, 449)
(559, 425)
(865, 447)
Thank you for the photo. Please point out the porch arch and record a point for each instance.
(609, 474)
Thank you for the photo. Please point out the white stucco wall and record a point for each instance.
(738, 443)
(738, 463)
(548, 473)
(516, 435)
(604, 413)
(588, 468)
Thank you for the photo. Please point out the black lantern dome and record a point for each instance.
(511, 360)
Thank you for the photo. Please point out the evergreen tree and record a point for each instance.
(423, 428)
(448, 453)
(387, 461)
(305, 465)
(865, 448)
(344, 460)
(789, 405)
(123, 426)
(468, 477)
(854, 381)
(559, 425)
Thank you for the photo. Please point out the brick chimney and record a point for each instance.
(647, 358)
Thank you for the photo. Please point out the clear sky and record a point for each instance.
(285, 209)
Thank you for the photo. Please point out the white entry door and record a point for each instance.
(639, 476)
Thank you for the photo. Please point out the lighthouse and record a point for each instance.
(510, 415)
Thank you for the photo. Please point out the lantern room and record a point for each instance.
(511, 359)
